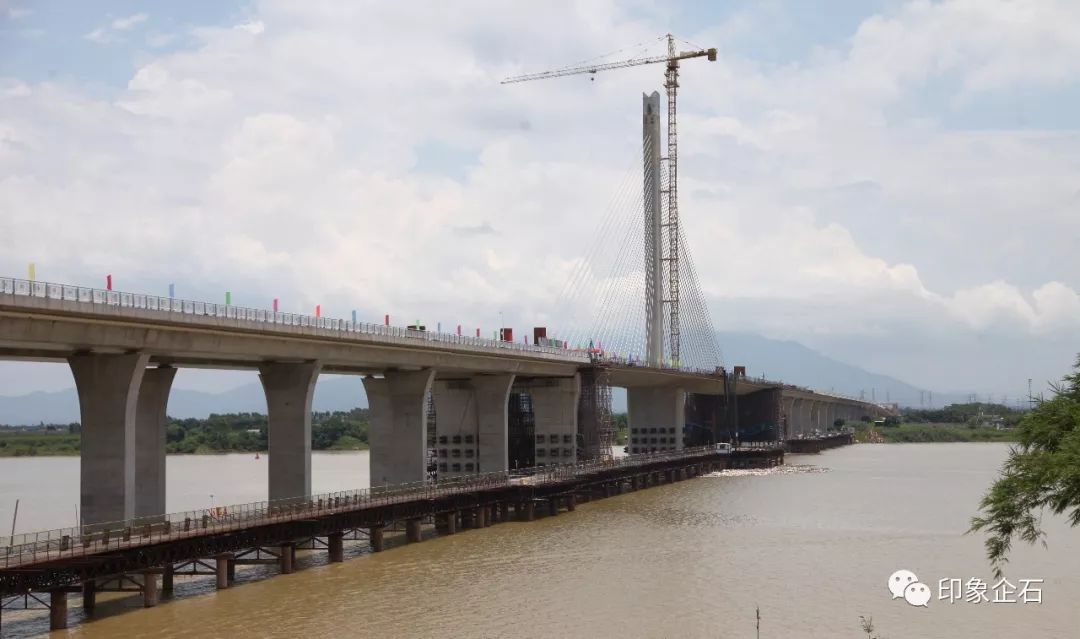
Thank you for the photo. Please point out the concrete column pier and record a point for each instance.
(474, 407)
(108, 389)
(571, 502)
(504, 512)
(89, 596)
(289, 388)
(451, 522)
(398, 434)
(412, 530)
(288, 558)
(553, 506)
(58, 609)
(150, 589)
(555, 413)
(375, 537)
(335, 544)
(150, 441)
(530, 511)
(222, 570)
(660, 409)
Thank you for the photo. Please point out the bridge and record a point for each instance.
(453, 417)
(473, 393)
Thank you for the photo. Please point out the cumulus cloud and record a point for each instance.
(276, 157)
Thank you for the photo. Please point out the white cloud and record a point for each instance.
(111, 32)
(123, 24)
(281, 165)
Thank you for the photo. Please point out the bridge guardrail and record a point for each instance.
(180, 308)
(30, 548)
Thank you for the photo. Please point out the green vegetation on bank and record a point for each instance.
(235, 432)
(916, 433)
(972, 422)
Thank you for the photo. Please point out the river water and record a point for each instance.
(813, 550)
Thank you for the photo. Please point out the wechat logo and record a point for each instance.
(904, 583)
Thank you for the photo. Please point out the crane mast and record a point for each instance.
(671, 84)
(657, 261)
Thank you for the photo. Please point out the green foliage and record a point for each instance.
(964, 414)
(1042, 473)
(936, 433)
(38, 442)
(622, 428)
(237, 432)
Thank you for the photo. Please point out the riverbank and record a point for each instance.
(65, 444)
(931, 433)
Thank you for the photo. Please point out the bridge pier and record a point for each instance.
(287, 558)
(555, 414)
(375, 538)
(468, 409)
(398, 434)
(451, 522)
(150, 427)
(166, 579)
(412, 530)
(335, 545)
(656, 413)
(289, 389)
(222, 570)
(150, 589)
(58, 608)
(89, 596)
(108, 389)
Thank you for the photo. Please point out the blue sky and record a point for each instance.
(899, 174)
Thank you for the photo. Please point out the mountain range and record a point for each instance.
(779, 360)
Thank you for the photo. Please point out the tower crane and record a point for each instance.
(671, 85)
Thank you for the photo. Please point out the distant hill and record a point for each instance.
(775, 359)
(794, 363)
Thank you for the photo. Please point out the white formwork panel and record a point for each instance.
(112, 298)
(279, 318)
(177, 306)
(260, 315)
(189, 307)
(138, 301)
(126, 299)
(71, 293)
(152, 303)
(7, 285)
(54, 291)
(200, 308)
(22, 287)
(97, 296)
(230, 312)
(305, 320)
(38, 289)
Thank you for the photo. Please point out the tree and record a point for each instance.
(1041, 473)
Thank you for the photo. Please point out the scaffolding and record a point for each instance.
(596, 425)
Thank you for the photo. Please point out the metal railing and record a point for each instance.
(175, 309)
(50, 545)
(181, 310)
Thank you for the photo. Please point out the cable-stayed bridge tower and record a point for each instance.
(661, 238)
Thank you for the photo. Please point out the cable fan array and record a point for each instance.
(603, 304)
